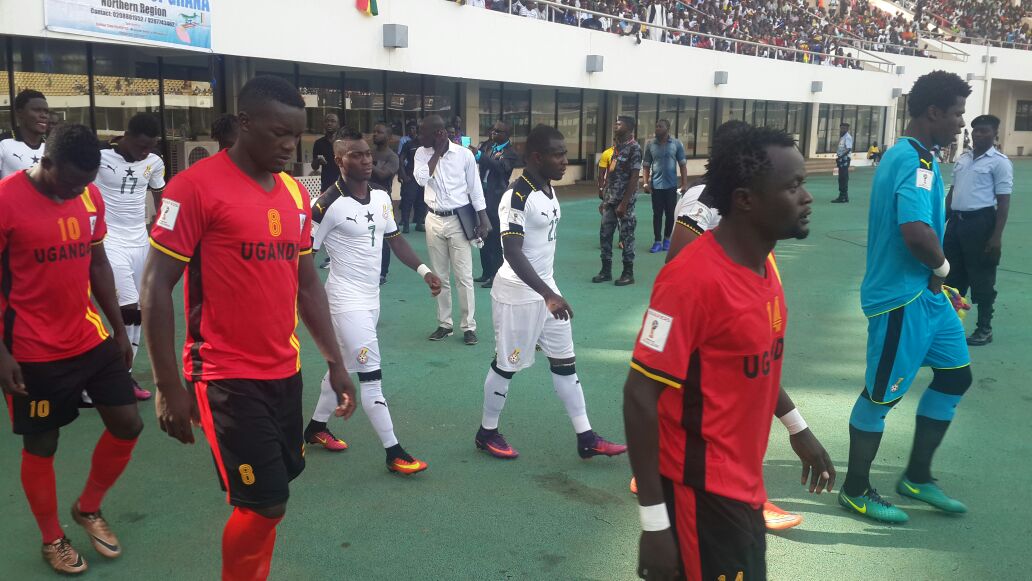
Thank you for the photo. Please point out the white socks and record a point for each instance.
(568, 388)
(373, 402)
(495, 389)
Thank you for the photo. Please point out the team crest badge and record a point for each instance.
(895, 386)
(514, 357)
(363, 356)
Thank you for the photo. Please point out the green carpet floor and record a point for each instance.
(550, 515)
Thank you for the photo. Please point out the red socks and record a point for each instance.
(109, 460)
(37, 476)
(247, 544)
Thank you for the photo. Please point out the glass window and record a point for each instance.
(648, 109)
(822, 128)
(702, 146)
(6, 126)
(403, 104)
(777, 113)
(490, 107)
(543, 102)
(835, 119)
(796, 113)
(189, 109)
(628, 105)
(591, 142)
(849, 115)
(732, 109)
(320, 86)
(750, 112)
(862, 137)
(1023, 116)
(570, 121)
(668, 111)
(56, 68)
(125, 82)
(902, 115)
(363, 100)
(689, 124)
(516, 112)
(441, 98)
(878, 125)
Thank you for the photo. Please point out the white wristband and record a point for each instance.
(423, 270)
(654, 518)
(794, 422)
(943, 270)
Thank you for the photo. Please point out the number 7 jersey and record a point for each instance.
(353, 233)
(527, 211)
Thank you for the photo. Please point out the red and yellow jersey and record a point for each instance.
(714, 333)
(240, 245)
(45, 254)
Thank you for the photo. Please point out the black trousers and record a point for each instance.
(411, 204)
(843, 176)
(970, 267)
(491, 254)
(664, 203)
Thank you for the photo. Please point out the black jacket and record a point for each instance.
(496, 168)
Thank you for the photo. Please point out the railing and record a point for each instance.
(945, 24)
(904, 49)
(737, 46)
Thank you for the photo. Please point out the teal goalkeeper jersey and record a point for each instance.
(907, 188)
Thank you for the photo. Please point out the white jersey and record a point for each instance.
(694, 213)
(16, 156)
(123, 185)
(353, 233)
(527, 211)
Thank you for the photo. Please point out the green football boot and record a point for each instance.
(931, 494)
(871, 505)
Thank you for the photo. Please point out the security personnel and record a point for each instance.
(979, 202)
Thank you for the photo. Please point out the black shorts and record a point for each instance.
(55, 388)
(255, 430)
(719, 538)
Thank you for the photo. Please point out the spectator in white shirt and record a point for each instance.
(451, 178)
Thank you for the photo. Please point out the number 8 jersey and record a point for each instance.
(353, 232)
(527, 211)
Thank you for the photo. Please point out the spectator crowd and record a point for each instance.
(832, 32)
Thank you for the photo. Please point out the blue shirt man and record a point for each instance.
(663, 159)
(907, 188)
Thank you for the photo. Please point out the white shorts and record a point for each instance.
(519, 328)
(356, 334)
(127, 266)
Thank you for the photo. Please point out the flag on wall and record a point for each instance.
(367, 6)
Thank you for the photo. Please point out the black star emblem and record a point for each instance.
(555, 212)
(35, 159)
(369, 216)
(128, 172)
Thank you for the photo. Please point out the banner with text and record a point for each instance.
(182, 24)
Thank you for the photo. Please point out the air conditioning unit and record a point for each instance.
(187, 153)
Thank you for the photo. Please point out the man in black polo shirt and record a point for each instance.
(322, 153)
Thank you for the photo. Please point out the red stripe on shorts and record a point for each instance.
(687, 531)
(208, 424)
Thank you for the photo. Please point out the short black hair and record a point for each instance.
(729, 128)
(144, 124)
(76, 144)
(740, 162)
(936, 89)
(434, 122)
(223, 125)
(26, 95)
(990, 120)
(664, 123)
(843, 124)
(347, 134)
(628, 121)
(267, 88)
(540, 139)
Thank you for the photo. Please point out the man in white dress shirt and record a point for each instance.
(451, 179)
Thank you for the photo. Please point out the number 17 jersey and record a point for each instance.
(124, 187)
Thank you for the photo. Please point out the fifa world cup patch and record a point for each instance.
(363, 356)
(93, 224)
(514, 357)
(387, 209)
(925, 179)
(303, 217)
(169, 214)
(655, 330)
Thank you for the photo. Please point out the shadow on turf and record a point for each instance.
(781, 476)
